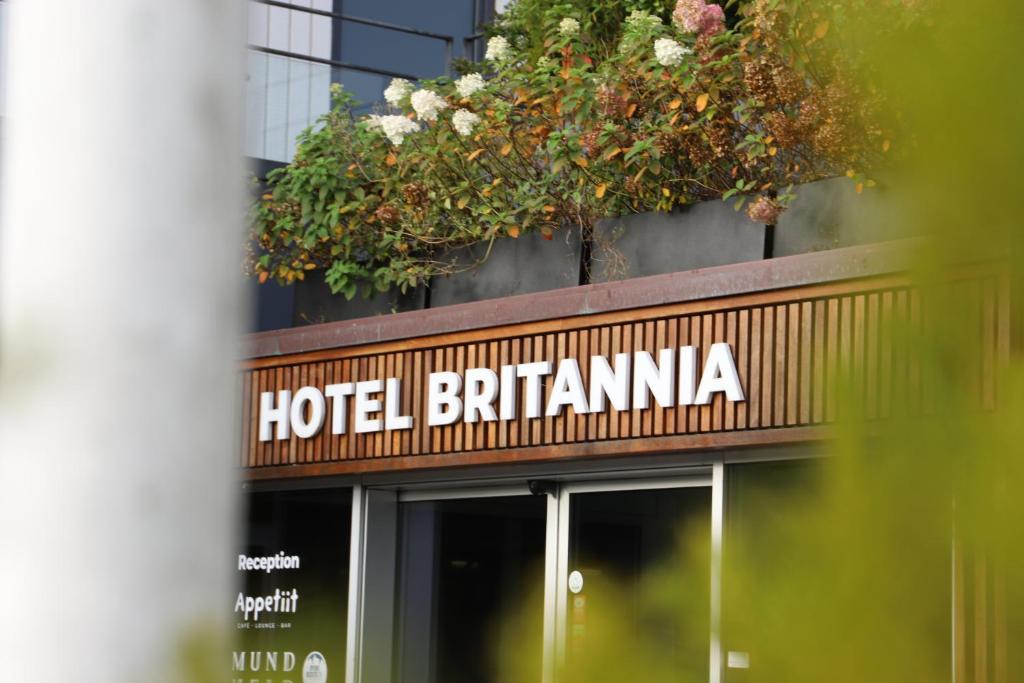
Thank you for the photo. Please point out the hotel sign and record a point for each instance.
(731, 371)
(632, 381)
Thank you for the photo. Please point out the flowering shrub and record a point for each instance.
(676, 107)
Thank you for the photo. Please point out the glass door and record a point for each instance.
(633, 595)
(470, 572)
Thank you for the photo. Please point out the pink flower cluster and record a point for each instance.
(696, 16)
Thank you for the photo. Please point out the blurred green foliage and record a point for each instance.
(897, 557)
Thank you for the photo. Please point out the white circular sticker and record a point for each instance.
(575, 581)
(314, 669)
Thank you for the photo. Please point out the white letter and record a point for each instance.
(448, 397)
(719, 375)
(481, 390)
(605, 383)
(392, 406)
(507, 402)
(533, 372)
(659, 379)
(278, 415)
(366, 405)
(687, 374)
(317, 409)
(337, 394)
(567, 389)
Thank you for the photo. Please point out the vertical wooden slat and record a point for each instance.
(608, 421)
(806, 350)
(872, 342)
(251, 457)
(378, 370)
(408, 381)
(718, 402)
(666, 419)
(792, 409)
(504, 358)
(393, 439)
(622, 429)
(885, 355)
(832, 364)
(522, 350)
(683, 339)
(537, 426)
(820, 334)
(859, 359)
(729, 335)
(344, 441)
(583, 355)
(494, 364)
(697, 340)
(779, 394)
(557, 430)
(635, 417)
(317, 379)
(571, 350)
(294, 381)
(768, 353)
(756, 368)
(914, 371)
(743, 362)
(457, 431)
(434, 434)
(467, 429)
(334, 451)
(844, 381)
(900, 352)
(707, 327)
(653, 344)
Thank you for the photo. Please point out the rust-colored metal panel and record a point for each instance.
(794, 348)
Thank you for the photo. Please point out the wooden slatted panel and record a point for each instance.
(794, 356)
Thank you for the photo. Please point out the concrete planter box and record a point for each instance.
(829, 214)
(702, 235)
(515, 266)
(314, 303)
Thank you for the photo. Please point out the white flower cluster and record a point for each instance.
(670, 53)
(464, 121)
(395, 127)
(544, 63)
(640, 20)
(469, 84)
(397, 91)
(498, 49)
(568, 27)
(427, 104)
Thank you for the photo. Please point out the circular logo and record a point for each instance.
(576, 581)
(314, 669)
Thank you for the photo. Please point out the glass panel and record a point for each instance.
(762, 500)
(291, 608)
(381, 48)
(468, 572)
(283, 97)
(639, 601)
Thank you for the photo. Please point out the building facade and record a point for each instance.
(475, 460)
(439, 479)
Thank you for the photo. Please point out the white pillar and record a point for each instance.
(119, 314)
